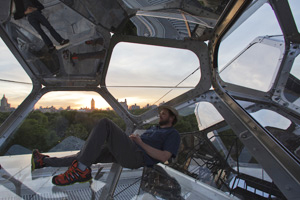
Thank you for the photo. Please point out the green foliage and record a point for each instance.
(60, 125)
(77, 130)
(45, 130)
(139, 111)
(69, 115)
(39, 117)
(187, 124)
(33, 134)
(3, 116)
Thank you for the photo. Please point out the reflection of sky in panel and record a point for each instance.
(208, 115)
(263, 22)
(253, 73)
(271, 118)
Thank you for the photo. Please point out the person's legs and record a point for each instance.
(65, 161)
(46, 23)
(35, 23)
(39, 160)
(108, 143)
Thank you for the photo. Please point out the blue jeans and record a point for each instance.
(36, 19)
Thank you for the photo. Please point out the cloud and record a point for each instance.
(255, 68)
(145, 65)
(10, 68)
(262, 23)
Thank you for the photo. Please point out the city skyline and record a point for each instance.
(6, 106)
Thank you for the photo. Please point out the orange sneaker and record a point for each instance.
(72, 175)
(37, 160)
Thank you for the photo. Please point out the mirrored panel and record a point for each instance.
(56, 41)
(174, 20)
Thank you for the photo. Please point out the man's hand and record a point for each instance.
(136, 138)
(160, 155)
(29, 10)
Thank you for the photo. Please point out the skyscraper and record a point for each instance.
(93, 104)
(4, 105)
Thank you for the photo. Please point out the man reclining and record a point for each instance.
(108, 143)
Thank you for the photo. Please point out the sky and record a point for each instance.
(163, 67)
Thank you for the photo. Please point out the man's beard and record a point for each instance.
(163, 122)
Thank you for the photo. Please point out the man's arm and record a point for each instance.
(157, 154)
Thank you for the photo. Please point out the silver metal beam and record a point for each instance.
(280, 166)
(17, 117)
(111, 183)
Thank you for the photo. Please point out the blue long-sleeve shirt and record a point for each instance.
(164, 139)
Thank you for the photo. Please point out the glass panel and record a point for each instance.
(292, 87)
(201, 151)
(295, 71)
(207, 115)
(170, 72)
(15, 85)
(263, 22)
(295, 5)
(258, 73)
(286, 131)
(283, 128)
(180, 16)
(155, 19)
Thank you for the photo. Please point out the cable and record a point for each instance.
(15, 82)
(144, 86)
(176, 85)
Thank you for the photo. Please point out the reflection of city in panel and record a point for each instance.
(230, 69)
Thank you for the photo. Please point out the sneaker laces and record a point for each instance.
(71, 172)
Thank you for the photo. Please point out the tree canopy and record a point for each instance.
(45, 130)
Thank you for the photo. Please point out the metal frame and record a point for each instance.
(270, 154)
(197, 47)
(131, 121)
(264, 147)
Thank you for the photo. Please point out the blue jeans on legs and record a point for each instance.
(36, 18)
